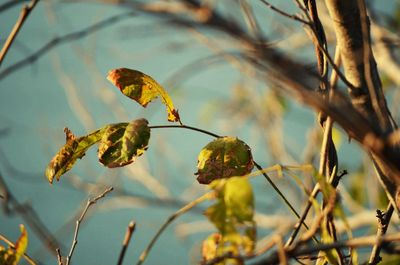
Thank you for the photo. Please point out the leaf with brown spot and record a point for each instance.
(223, 158)
(142, 88)
(73, 149)
(122, 143)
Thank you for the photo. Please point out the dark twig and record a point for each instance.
(59, 257)
(10, 4)
(26, 10)
(285, 14)
(383, 224)
(89, 203)
(125, 243)
(64, 39)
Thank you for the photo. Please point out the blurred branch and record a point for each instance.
(29, 215)
(26, 10)
(300, 250)
(64, 39)
(10, 4)
(89, 203)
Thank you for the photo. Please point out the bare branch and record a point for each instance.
(26, 10)
(89, 203)
(125, 243)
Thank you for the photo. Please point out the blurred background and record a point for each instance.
(54, 76)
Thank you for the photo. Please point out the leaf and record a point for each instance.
(122, 142)
(223, 158)
(73, 149)
(21, 244)
(232, 215)
(142, 88)
(12, 255)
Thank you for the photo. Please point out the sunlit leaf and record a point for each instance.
(12, 256)
(73, 149)
(223, 158)
(142, 88)
(232, 215)
(122, 143)
(21, 244)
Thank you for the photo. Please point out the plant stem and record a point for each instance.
(170, 219)
(26, 10)
(127, 239)
(185, 127)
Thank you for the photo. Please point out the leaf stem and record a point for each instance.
(185, 127)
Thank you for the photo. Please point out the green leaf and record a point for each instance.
(142, 88)
(223, 158)
(122, 142)
(73, 149)
(232, 215)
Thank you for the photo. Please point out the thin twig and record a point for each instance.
(383, 224)
(11, 244)
(170, 219)
(125, 243)
(89, 203)
(26, 10)
(59, 257)
(283, 13)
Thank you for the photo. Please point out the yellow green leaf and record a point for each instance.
(21, 244)
(73, 149)
(142, 88)
(122, 143)
(232, 215)
(224, 157)
(12, 255)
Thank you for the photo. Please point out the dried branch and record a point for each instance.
(125, 243)
(26, 10)
(285, 14)
(383, 224)
(89, 203)
(300, 250)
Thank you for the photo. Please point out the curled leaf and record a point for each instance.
(223, 158)
(73, 149)
(142, 88)
(122, 142)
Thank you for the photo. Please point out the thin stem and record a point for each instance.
(89, 203)
(255, 163)
(125, 243)
(383, 224)
(283, 13)
(178, 213)
(59, 257)
(26, 10)
(185, 127)
(11, 244)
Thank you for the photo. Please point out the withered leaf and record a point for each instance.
(142, 88)
(73, 149)
(223, 158)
